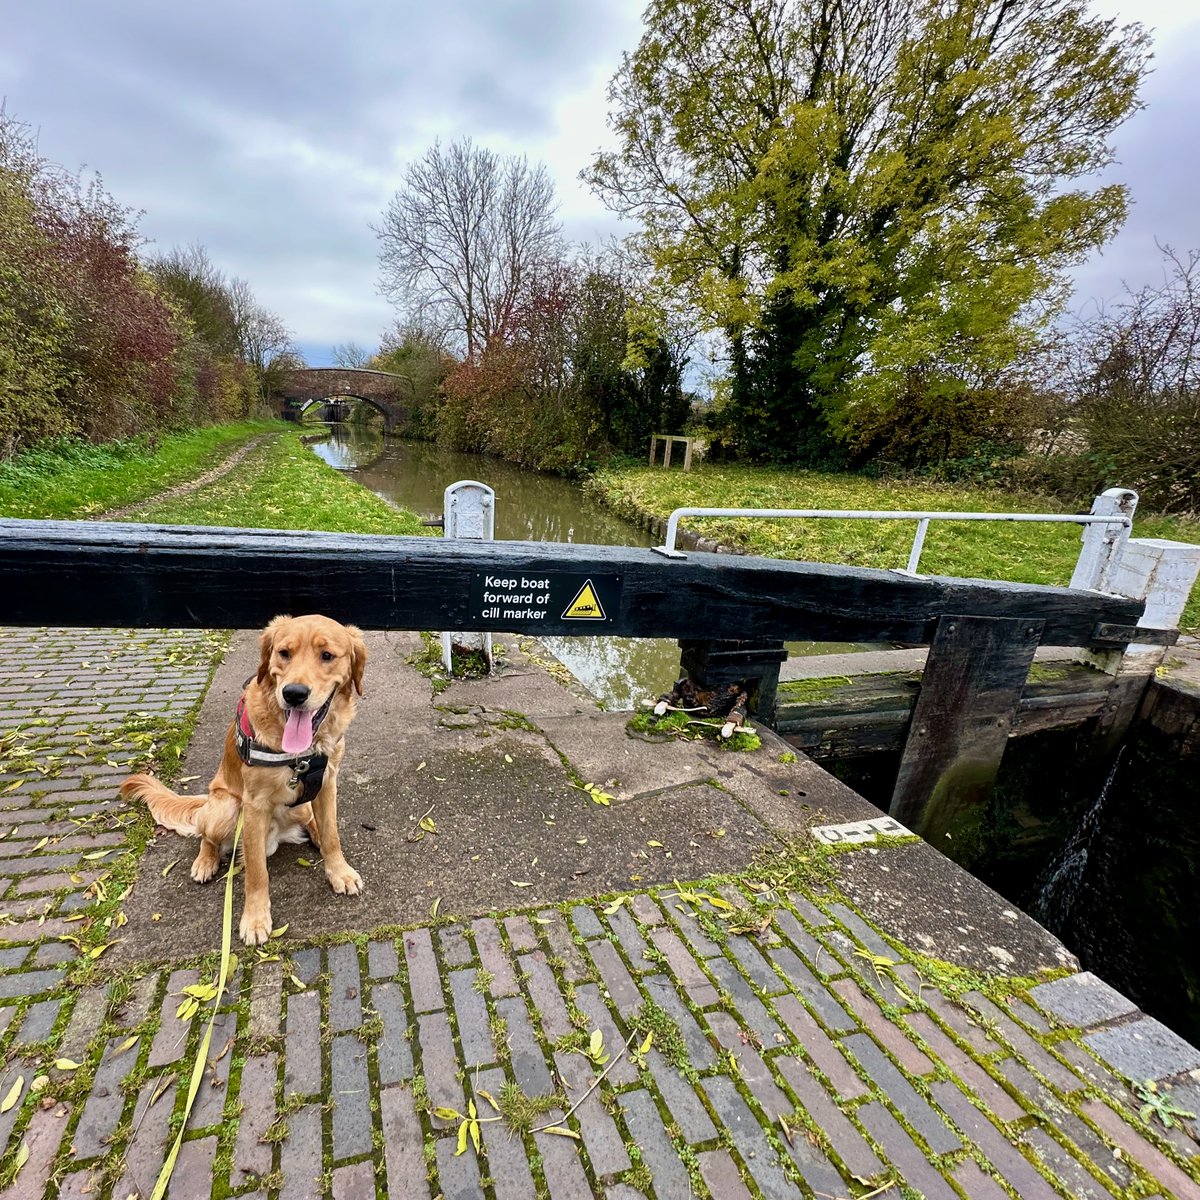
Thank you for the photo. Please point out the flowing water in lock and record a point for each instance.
(619, 672)
(1062, 880)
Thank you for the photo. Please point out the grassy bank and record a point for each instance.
(70, 480)
(284, 485)
(280, 485)
(1025, 553)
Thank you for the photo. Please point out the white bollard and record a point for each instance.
(468, 511)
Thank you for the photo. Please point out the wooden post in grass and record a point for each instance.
(668, 440)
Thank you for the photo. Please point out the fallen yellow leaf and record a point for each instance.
(13, 1094)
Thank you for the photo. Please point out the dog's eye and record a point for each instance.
(284, 654)
(327, 656)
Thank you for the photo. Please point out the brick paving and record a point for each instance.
(782, 1063)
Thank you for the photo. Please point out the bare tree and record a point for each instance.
(462, 238)
(351, 355)
(1135, 387)
(261, 335)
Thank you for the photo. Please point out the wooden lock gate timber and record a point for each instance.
(731, 613)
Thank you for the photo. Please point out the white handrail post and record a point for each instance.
(914, 555)
(1103, 545)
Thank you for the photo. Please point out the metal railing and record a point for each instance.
(1102, 514)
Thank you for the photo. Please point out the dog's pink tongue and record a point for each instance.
(297, 731)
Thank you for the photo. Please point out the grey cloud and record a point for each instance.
(274, 132)
(1157, 160)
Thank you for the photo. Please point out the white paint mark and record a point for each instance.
(855, 832)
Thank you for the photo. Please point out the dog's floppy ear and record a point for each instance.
(358, 656)
(266, 643)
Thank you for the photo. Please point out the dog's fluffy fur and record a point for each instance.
(328, 659)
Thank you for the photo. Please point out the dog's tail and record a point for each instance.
(175, 812)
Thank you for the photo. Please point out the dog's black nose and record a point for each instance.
(295, 694)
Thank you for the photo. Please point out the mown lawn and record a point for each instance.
(1025, 553)
(69, 480)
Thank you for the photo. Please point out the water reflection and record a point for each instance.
(350, 446)
(619, 672)
(529, 507)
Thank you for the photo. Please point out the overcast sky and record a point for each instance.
(274, 132)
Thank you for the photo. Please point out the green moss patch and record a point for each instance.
(681, 725)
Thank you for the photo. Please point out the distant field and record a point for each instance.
(1024, 553)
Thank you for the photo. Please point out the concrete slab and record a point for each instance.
(932, 905)
(511, 827)
(1144, 1049)
(789, 796)
(1082, 1000)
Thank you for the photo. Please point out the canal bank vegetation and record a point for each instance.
(98, 343)
(70, 479)
(567, 386)
(1022, 553)
(280, 484)
(878, 229)
(515, 344)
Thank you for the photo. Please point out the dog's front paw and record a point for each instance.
(256, 926)
(343, 878)
(205, 865)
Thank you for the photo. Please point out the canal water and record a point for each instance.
(619, 672)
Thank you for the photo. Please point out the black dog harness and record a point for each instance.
(308, 770)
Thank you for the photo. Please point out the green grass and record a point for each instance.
(1024, 553)
(283, 485)
(71, 479)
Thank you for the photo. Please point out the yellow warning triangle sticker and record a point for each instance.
(586, 606)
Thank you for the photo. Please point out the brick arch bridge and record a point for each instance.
(302, 388)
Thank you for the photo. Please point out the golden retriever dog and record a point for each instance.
(280, 765)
